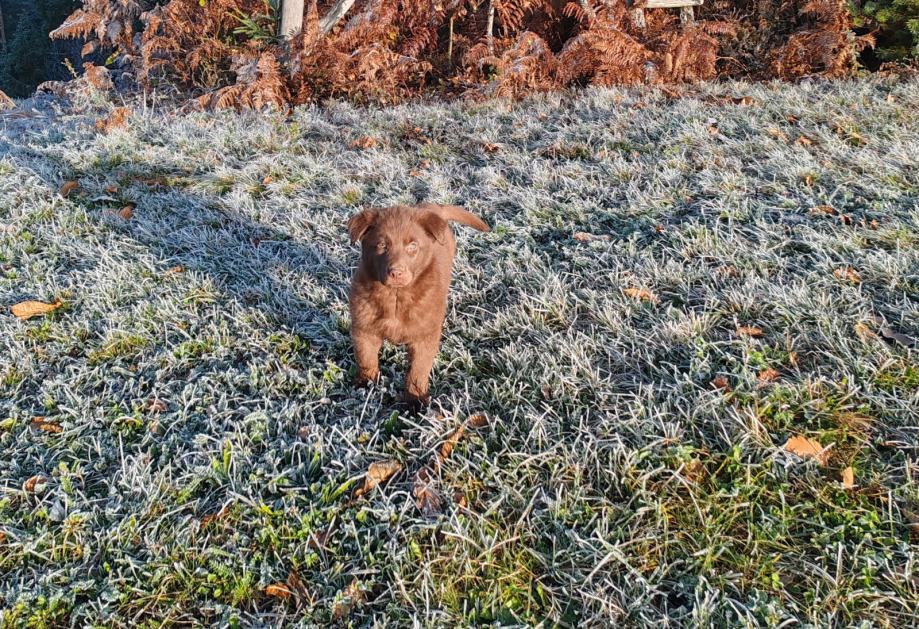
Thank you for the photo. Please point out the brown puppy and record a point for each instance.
(399, 290)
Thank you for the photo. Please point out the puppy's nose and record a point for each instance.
(396, 272)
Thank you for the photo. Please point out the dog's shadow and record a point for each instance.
(294, 280)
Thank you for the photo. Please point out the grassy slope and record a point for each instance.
(613, 482)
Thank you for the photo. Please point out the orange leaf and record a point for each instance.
(585, 237)
(127, 212)
(427, 498)
(848, 478)
(364, 142)
(848, 274)
(806, 448)
(823, 209)
(478, 420)
(28, 309)
(749, 330)
(350, 597)
(68, 187)
(768, 375)
(43, 424)
(778, 134)
(112, 189)
(490, 147)
(447, 448)
(377, 473)
(803, 140)
(118, 118)
(721, 383)
(641, 294)
(864, 332)
(278, 590)
(174, 271)
(35, 484)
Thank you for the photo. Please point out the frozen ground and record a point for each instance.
(202, 449)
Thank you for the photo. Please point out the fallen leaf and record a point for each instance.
(112, 189)
(713, 130)
(47, 426)
(890, 335)
(585, 237)
(745, 101)
(459, 497)
(721, 383)
(296, 585)
(174, 271)
(156, 405)
(68, 187)
(6, 102)
(847, 274)
(808, 180)
(828, 210)
(118, 118)
(211, 517)
(427, 498)
(641, 294)
(2, 536)
(793, 359)
(364, 142)
(768, 375)
(694, 470)
(749, 330)
(447, 448)
(803, 140)
(792, 119)
(35, 484)
(845, 219)
(806, 448)
(28, 309)
(378, 473)
(490, 147)
(127, 212)
(267, 180)
(478, 420)
(848, 478)
(778, 134)
(278, 590)
(349, 598)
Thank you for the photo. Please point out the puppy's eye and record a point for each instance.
(381, 247)
(412, 247)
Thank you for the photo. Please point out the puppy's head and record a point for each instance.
(397, 243)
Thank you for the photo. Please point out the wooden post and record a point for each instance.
(291, 18)
(686, 16)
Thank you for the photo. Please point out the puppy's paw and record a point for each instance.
(416, 403)
(365, 380)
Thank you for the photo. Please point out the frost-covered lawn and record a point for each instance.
(202, 450)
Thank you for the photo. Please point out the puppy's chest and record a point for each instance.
(401, 317)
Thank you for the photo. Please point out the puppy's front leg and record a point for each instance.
(421, 355)
(367, 354)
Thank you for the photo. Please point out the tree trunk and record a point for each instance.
(489, 30)
(291, 18)
(2, 32)
(335, 13)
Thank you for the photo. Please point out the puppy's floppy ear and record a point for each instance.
(434, 225)
(360, 223)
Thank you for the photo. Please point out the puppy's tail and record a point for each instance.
(457, 214)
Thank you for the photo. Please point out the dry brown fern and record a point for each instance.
(389, 50)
